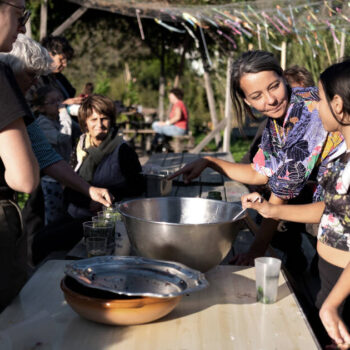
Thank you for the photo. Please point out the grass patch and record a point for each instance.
(238, 147)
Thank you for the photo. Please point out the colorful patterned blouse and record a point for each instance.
(334, 229)
(288, 153)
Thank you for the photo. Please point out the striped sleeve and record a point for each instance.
(43, 151)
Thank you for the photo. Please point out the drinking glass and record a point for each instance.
(267, 271)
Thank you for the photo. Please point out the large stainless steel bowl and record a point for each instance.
(194, 231)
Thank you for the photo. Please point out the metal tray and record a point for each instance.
(136, 276)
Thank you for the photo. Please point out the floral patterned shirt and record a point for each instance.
(289, 153)
(334, 228)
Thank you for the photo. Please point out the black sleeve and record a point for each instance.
(66, 84)
(12, 102)
(131, 169)
(134, 184)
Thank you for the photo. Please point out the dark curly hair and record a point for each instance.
(58, 45)
(177, 92)
(335, 80)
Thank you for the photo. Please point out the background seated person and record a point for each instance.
(177, 124)
(101, 157)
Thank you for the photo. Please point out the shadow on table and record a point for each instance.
(237, 290)
(104, 335)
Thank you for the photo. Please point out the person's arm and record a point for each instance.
(176, 117)
(240, 172)
(273, 210)
(329, 315)
(21, 166)
(305, 213)
(63, 173)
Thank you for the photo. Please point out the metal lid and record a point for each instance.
(136, 276)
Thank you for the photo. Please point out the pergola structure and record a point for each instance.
(307, 21)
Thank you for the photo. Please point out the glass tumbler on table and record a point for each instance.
(267, 271)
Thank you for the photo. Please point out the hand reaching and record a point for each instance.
(101, 195)
(191, 170)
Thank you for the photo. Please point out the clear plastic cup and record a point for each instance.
(96, 246)
(267, 271)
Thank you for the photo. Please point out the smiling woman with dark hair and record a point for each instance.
(294, 143)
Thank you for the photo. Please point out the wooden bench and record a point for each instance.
(182, 143)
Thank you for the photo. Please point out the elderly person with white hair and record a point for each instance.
(28, 60)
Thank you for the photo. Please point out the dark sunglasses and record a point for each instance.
(26, 13)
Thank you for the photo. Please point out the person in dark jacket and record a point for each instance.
(101, 157)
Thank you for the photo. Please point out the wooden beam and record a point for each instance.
(284, 55)
(209, 137)
(342, 44)
(43, 19)
(211, 103)
(69, 21)
(29, 28)
(228, 108)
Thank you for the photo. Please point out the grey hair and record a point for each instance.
(27, 54)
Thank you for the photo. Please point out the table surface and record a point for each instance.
(223, 316)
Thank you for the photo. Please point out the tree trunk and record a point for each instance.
(43, 19)
(161, 85)
(211, 103)
(228, 108)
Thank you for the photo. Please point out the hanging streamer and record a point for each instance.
(213, 23)
(167, 26)
(255, 14)
(281, 24)
(329, 8)
(205, 46)
(246, 18)
(190, 19)
(294, 26)
(191, 34)
(281, 14)
(331, 27)
(228, 23)
(228, 38)
(339, 11)
(270, 20)
(140, 24)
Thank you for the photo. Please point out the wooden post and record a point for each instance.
(327, 51)
(29, 28)
(68, 22)
(211, 103)
(342, 44)
(161, 115)
(336, 50)
(259, 37)
(284, 55)
(43, 19)
(228, 109)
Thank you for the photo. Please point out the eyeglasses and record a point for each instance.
(26, 13)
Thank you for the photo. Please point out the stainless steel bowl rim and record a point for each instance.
(106, 273)
(174, 223)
